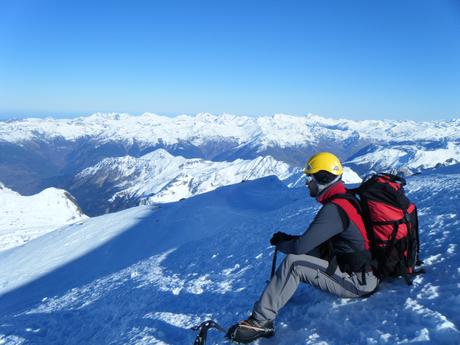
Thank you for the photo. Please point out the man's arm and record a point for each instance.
(326, 224)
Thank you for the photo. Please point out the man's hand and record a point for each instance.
(280, 237)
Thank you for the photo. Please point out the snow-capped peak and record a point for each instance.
(160, 177)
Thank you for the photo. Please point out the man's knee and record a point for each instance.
(288, 264)
(291, 259)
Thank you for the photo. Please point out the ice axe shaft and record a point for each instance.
(275, 253)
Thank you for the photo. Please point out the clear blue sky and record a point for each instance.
(357, 59)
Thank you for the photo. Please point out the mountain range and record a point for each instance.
(39, 153)
(102, 159)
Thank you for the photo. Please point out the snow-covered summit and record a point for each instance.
(147, 274)
(23, 218)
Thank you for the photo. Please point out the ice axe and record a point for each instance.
(203, 328)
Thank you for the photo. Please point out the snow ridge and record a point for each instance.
(159, 177)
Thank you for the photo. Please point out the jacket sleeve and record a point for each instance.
(326, 224)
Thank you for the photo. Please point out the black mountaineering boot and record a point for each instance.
(249, 330)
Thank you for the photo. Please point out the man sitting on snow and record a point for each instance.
(332, 255)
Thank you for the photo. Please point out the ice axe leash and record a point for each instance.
(203, 328)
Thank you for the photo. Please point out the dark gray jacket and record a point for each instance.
(331, 222)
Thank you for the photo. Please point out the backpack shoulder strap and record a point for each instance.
(343, 214)
(349, 196)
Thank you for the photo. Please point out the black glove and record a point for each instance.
(280, 237)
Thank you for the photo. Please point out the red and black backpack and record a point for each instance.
(392, 225)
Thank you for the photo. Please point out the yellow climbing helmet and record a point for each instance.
(323, 161)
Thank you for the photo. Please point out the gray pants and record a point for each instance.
(309, 269)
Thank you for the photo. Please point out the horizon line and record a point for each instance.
(5, 117)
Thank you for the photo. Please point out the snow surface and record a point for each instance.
(277, 130)
(23, 218)
(160, 177)
(147, 274)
